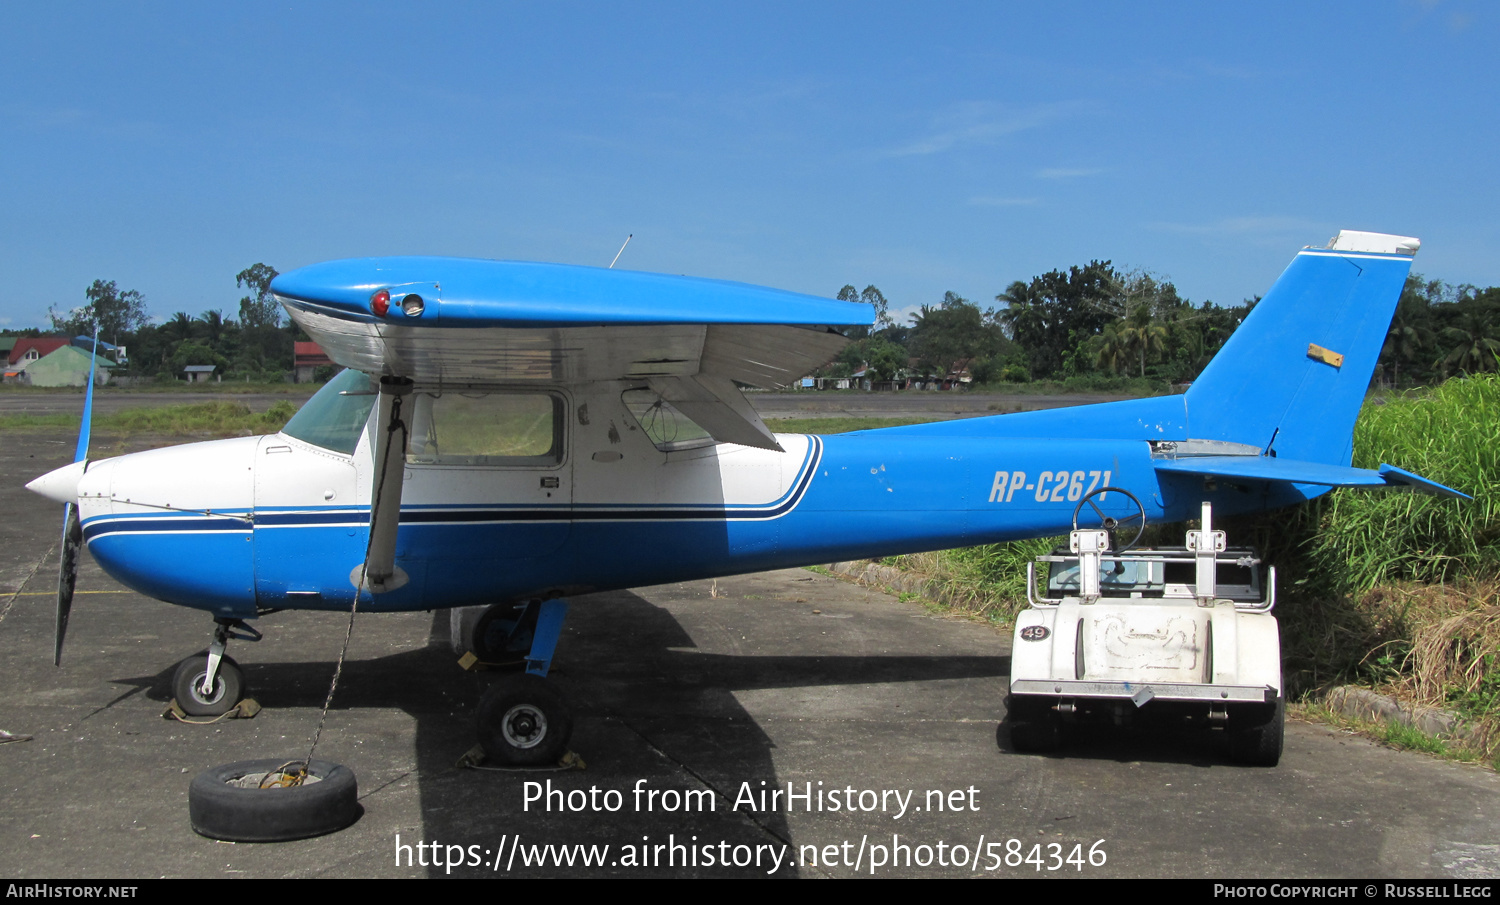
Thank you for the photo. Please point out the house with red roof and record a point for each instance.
(309, 356)
(30, 348)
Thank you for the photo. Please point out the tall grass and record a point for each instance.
(1450, 434)
(987, 581)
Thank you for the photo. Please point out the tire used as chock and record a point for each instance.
(523, 722)
(225, 803)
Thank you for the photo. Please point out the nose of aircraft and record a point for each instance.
(60, 485)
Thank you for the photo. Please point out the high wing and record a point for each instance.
(452, 322)
(455, 321)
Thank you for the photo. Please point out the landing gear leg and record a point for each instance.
(215, 686)
(522, 719)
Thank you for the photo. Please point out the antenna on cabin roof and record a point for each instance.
(621, 251)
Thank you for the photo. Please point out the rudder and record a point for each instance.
(1291, 380)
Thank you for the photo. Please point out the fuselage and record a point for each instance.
(243, 525)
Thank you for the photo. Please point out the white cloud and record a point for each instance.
(981, 123)
(988, 201)
(1069, 172)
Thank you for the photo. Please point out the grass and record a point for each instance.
(1397, 735)
(988, 582)
(1450, 434)
(218, 419)
(1397, 592)
(841, 425)
(235, 387)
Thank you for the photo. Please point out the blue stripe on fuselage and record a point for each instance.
(867, 494)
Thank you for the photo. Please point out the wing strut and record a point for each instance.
(381, 573)
(716, 405)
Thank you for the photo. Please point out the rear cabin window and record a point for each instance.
(506, 428)
(335, 416)
(666, 427)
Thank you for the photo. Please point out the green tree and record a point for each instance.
(1474, 345)
(191, 353)
(178, 329)
(1408, 334)
(953, 333)
(873, 297)
(1059, 312)
(1142, 336)
(259, 309)
(113, 312)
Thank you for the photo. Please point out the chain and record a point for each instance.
(395, 425)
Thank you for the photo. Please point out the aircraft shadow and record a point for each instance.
(651, 711)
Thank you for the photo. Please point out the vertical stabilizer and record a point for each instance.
(1292, 378)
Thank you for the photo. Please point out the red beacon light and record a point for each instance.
(380, 302)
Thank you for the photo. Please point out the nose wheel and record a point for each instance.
(223, 693)
(213, 685)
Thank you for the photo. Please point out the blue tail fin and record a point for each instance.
(1292, 378)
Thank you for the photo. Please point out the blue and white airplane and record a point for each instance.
(513, 434)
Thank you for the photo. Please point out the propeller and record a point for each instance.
(72, 533)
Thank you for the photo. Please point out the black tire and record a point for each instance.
(1257, 733)
(523, 721)
(498, 637)
(229, 686)
(1037, 736)
(219, 810)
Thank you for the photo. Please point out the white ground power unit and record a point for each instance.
(1184, 631)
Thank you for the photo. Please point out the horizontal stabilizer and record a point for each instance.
(1402, 478)
(1293, 471)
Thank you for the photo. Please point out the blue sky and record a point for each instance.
(922, 147)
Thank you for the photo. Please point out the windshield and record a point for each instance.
(333, 420)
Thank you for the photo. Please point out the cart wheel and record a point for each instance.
(1256, 733)
(1037, 736)
(1034, 725)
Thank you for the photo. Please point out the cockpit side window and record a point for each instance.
(515, 428)
(335, 416)
(666, 427)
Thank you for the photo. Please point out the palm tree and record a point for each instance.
(1141, 334)
(179, 328)
(1110, 348)
(1407, 336)
(1475, 346)
(213, 325)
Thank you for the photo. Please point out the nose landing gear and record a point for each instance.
(213, 686)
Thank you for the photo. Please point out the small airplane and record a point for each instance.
(512, 434)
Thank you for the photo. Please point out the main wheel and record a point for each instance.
(227, 802)
(500, 637)
(1257, 733)
(523, 721)
(187, 686)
